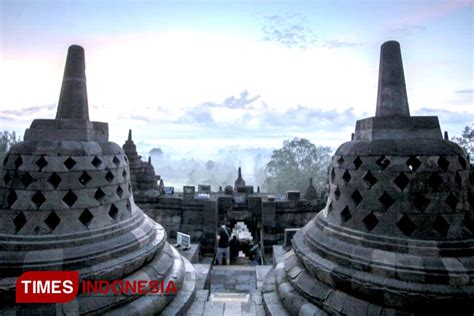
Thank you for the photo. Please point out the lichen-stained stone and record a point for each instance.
(396, 235)
(66, 203)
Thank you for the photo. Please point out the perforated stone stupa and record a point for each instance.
(396, 235)
(66, 203)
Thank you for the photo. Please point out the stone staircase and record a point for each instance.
(232, 290)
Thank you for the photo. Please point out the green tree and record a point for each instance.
(466, 140)
(292, 165)
(6, 140)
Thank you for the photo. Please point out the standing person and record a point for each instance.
(223, 245)
(234, 245)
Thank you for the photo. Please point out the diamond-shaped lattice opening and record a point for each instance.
(370, 221)
(96, 162)
(86, 217)
(52, 220)
(99, 195)
(469, 221)
(129, 206)
(5, 160)
(452, 201)
(441, 226)
(406, 225)
(38, 198)
(54, 180)
(383, 162)
(369, 179)
(129, 188)
(119, 191)
(346, 176)
(413, 163)
(356, 197)
(41, 163)
(401, 181)
(458, 180)
(69, 163)
(125, 158)
(330, 207)
(337, 193)
(26, 179)
(113, 212)
(12, 197)
(435, 181)
(462, 162)
(345, 215)
(357, 162)
(7, 178)
(19, 221)
(340, 161)
(84, 178)
(70, 198)
(333, 175)
(421, 202)
(18, 162)
(124, 174)
(386, 200)
(116, 161)
(109, 176)
(443, 163)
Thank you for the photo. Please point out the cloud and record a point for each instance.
(236, 103)
(247, 113)
(447, 117)
(464, 91)
(30, 111)
(407, 30)
(291, 31)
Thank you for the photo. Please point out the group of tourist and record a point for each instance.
(229, 246)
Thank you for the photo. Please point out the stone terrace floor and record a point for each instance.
(233, 290)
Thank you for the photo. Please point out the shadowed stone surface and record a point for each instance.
(67, 204)
(396, 234)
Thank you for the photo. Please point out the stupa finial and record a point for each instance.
(392, 94)
(73, 98)
(129, 135)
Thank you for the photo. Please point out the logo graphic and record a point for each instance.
(63, 287)
(47, 286)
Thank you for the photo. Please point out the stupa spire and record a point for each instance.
(129, 135)
(392, 95)
(73, 98)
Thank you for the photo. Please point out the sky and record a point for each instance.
(194, 76)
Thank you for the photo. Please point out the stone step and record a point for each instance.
(229, 304)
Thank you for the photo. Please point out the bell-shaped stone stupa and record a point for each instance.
(66, 203)
(396, 235)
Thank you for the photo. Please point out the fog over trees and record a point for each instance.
(275, 171)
